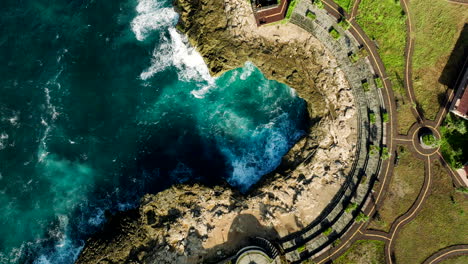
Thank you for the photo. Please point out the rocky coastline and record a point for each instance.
(195, 223)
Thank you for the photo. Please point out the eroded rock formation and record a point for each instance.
(193, 223)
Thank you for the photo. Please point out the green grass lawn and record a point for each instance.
(456, 260)
(405, 184)
(363, 252)
(347, 5)
(454, 142)
(436, 29)
(440, 223)
(384, 21)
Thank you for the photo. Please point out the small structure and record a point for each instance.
(460, 102)
(463, 172)
(268, 11)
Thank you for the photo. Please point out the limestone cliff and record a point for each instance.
(193, 223)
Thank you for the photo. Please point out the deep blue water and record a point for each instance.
(104, 101)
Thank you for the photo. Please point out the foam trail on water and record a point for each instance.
(177, 52)
(151, 16)
(174, 50)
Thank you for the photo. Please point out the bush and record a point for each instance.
(351, 207)
(365, 86)
(353, 57)
(372, 118)
(385, 117)
(291, 7)
(429, 140)
(462, 190)
(374, 150)
(344, 24)
(385, 153)
(328, 231)
(336, 242)
(378, 82)
(311, 15)
(361, 217)
(334, 33)
(319, 4)
(301, 248)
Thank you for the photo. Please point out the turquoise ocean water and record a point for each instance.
(104, 101)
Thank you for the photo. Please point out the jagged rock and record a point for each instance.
(193, 223)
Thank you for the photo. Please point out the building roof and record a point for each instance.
(463, 105)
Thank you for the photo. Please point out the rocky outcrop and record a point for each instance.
(193, 223)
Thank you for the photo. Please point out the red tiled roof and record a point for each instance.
(463, 106)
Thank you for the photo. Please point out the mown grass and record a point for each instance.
(347, 5)
(437, 26)
(440, 223)
(405, 118)
(384, 22)
(454, 141)
(363, 252)
(405, 184)
(456, 260)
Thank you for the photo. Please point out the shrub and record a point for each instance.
(311, 15)
(301, 248)
(372, 118)
(351, 207)
(365, 86)
(385, 117)
(462, 190)
(344, 24)
(374, 150)
(328, 231)
(291, 7)
(361, 217)
(353, 57)
(378, 82)
(336, 242)
(385, 153)
(429, 140)
(334, 33)
(319, 4)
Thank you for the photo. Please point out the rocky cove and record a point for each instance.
(194, 223)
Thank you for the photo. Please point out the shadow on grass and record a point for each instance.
(456, 60)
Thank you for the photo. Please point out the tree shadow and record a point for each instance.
(456, 60)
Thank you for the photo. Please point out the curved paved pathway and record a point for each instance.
(411, 140)
(445, 253)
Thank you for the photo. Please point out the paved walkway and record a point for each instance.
(358, 230)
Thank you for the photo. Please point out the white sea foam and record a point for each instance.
(177, 52)
(151, 16)
(173, 51)
(247, 70)
(3, 140)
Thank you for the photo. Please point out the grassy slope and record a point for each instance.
(363, 252)
(406, 182)
(436, 29)
(384, 21)
(440, 223)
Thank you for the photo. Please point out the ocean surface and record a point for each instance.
(104, 101)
